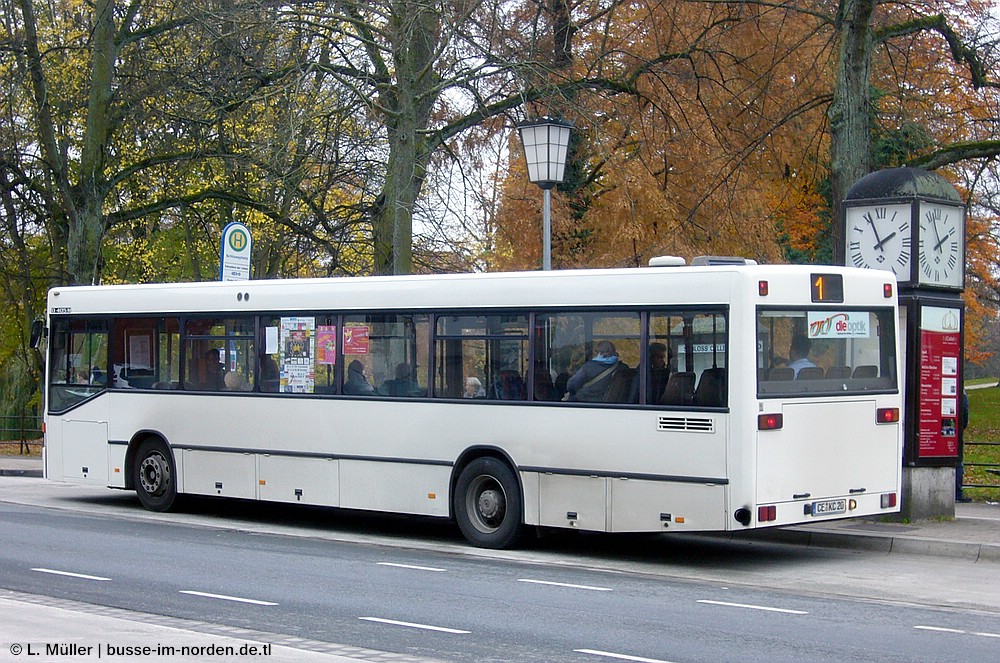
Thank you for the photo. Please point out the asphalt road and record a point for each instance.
(411, 586)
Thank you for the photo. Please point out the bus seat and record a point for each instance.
(781, 373)
(624, 385)
(508, 386)
(866, 371)
(679, 389)
(711, 391)
(838, 373)
(810, 373)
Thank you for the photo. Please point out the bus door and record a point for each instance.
(76, 414)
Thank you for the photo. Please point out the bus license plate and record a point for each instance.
(829, 507)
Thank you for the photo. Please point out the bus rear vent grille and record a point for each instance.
(690, 424)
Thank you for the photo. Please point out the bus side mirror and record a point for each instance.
(37, 331)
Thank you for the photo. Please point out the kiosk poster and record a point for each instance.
(940, 351)
(297, 349)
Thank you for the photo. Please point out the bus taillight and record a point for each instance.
(769, 421)
(889, 500)
(887, 290)
(766, 514)
(762, 288)
(887, 415)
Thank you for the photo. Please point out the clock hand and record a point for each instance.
(878, 239)
(937, 247)
(884, 240)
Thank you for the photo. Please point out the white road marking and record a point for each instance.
(411, 566)
(238, 599)
(426, 627)
(71, 575)
(938, 629)
(623, 657)
(754, 607)
(958, 631)
(564, 584)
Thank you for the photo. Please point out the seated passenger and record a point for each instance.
(474, 388)
(235, 382)
(403, 384)
(659, 370)
(590, 382)
(357, 384)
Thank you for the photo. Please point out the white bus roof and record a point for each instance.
(563, 288)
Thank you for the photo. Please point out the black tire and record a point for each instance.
(488, 504)
(154, 476)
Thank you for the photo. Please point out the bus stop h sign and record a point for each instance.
(234, 253)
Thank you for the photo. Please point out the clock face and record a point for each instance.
(878, 237)
(941, 252)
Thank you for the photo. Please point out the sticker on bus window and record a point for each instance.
(326, 344)
(356, 339)
(850, 324)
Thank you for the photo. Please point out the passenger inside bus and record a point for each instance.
(403, 384)
(659, 370)
(798, 354)
(357, 384)
(591, 381)
(474, 388)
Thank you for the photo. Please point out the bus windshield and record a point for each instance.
(804, 352)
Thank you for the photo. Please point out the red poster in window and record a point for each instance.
(940, 356)
(356, 340)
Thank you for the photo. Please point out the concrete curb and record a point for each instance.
(888, 544)
(12, 472)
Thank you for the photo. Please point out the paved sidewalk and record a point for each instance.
(973, 534)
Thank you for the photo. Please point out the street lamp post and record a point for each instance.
(545, 142)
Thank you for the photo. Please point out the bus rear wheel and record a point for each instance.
(488, 504)
(154, 477)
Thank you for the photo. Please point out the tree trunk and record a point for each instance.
(415, 33)
(851, 110)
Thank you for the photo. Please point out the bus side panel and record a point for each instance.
(218, 473)
(573, 501)
(305, 480)
(650, 506)
(393, 486)
(116, 465)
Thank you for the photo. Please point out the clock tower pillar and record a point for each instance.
(912, 222)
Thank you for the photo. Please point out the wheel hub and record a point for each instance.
(154, 474)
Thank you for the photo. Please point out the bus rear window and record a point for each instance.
(803, 352)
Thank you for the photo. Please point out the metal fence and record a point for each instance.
(22, 430)
(992, 469)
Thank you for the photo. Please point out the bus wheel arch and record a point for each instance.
(487, 499)
(152, 472)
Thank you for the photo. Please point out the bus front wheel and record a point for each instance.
(154, 477)
(488, 504)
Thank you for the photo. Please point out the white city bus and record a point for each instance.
(459, 396)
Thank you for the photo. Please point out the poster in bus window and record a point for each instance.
(297, 349)
(940, 347)
(326, 345)
(356, 339)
